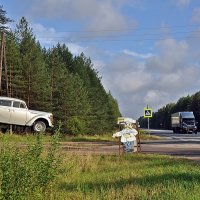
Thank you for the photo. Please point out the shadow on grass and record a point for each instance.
(181, 179)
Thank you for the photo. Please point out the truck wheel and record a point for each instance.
(39, 126)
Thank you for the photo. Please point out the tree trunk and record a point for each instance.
(1, 57)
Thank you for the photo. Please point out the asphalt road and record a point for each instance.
(180, 145)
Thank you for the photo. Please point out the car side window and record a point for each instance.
(22, 105)
(16, 104)
(5, 103)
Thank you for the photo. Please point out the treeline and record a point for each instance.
(162, 118)
(55, 80)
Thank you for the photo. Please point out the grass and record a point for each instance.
(27, 138)
(132, 176)
(30, 138)
(104, 137)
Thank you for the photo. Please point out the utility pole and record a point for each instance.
(6, 70)
(1, 56)
(3, 61)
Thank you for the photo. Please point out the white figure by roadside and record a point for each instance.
(128, 137)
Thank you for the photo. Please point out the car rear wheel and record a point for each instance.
(39, 126)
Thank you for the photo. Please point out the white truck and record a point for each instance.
(15, 112)
(183, 122)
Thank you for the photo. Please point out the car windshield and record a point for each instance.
(189, 121)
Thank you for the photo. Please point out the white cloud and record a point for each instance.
(179, 81)
(137, 55)
(158, 80)
(94, 14)
(76, 49)
(128, 81)
(107, 18)
(171, 56)
(156, 98)
(49, 37)
(194, 43)
(63, 9)
(131, 82)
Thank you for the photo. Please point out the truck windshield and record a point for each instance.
(189, 121)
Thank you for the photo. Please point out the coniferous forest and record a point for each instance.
(55, 80)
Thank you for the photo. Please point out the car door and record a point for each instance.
(18, 113)
(5, 111)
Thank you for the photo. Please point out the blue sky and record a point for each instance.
(147, 51)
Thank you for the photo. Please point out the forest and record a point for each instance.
(162, 118)
(55, 80)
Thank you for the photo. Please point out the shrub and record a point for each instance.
(75, 126)
(27, 173)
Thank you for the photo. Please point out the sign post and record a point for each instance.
(147, 114)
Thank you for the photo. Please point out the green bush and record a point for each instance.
(75, 126)
(27, 173)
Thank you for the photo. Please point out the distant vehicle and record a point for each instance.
(15, 112)
(183, 122)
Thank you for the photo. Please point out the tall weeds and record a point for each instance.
(28, 173)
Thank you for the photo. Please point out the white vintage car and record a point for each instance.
(15, 112)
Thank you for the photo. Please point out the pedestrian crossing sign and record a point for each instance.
(147, 112)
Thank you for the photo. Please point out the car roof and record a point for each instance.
(10, 98)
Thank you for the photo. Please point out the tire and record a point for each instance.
(39, 126)
(4, 130)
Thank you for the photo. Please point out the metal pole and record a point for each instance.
(147, 118)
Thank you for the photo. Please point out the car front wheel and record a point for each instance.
(39, 126)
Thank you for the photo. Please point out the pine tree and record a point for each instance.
(15, 76)
(113, 112)
(3, 19)
(69, 95)
(36, 90)
(99, 101)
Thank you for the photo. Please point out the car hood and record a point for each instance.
(39, 112)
